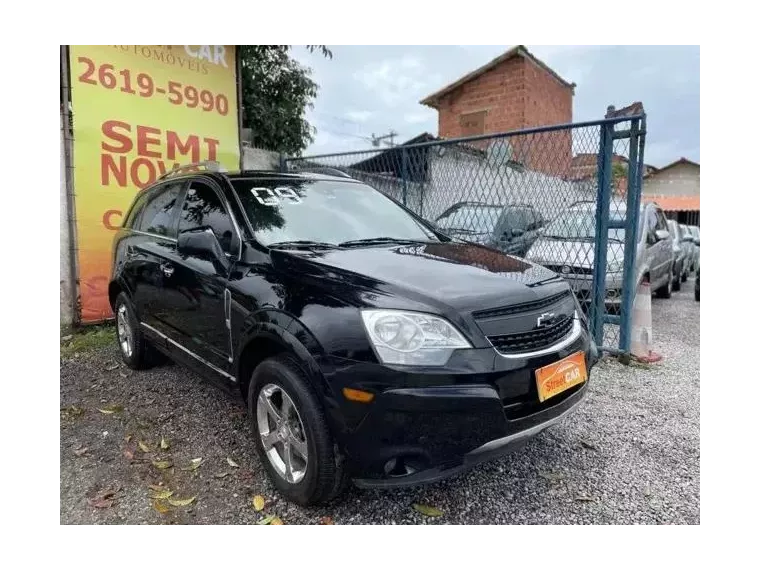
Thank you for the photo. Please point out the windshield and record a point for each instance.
(323, 211)
(474, 218)
(581, 226)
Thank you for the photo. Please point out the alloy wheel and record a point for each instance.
(124, 331)
(282, 433)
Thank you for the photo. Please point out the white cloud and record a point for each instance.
(359, 116)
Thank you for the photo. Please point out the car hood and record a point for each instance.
(461, 276)
(573, 253)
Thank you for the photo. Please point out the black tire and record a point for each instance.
(325, 476)
(664, 292)
(142, 354)
(684, 276)
(677, 283)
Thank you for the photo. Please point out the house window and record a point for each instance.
(472, 124)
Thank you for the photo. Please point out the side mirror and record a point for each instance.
(201, 242)
(696, 242)
(661, 235)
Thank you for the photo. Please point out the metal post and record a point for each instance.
(633, 198)
(239, 93)
(404, 170)
(604, 181)
(283, 162)
(70, 202)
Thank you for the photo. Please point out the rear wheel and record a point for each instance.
(676, 282)
(135, 349)
(291, 434)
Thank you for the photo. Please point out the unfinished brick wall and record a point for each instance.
(515, 94)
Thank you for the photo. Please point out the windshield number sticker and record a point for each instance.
(268, 197)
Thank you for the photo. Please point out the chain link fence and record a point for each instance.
(553, 195)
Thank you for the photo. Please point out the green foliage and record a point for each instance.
(88, 338)
(276, 91)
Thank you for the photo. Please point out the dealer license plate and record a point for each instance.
(560, 376)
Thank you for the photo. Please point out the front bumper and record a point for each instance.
(424, 426)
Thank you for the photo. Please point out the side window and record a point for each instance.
(662, 223)
(157, 216)
(137, 208)
(203, 207)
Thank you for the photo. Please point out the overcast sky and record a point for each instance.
(372, 89)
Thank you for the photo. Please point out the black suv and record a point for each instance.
(367, 345)
(511, 229)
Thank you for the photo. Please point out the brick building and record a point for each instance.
(513, 91)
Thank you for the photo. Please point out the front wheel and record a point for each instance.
(665, 291)
(291, 434)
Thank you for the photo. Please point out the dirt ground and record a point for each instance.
(630, 454)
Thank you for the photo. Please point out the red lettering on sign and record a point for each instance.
(174, 145)
(143, 140)
(107, 219)
(109, 130)
(109, 168)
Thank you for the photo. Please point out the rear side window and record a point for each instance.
(158, 214)
(137, 208)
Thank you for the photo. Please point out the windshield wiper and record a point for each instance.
(302, 244)
(378, 240)
(465, 230)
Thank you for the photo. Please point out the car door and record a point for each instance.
(198, 285)
(152, 243)
(664, 248)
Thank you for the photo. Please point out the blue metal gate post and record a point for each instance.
(633, 199)
(604, 189)
(404, 170)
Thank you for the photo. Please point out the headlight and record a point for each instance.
(417, 339)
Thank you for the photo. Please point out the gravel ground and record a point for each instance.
(629, 455)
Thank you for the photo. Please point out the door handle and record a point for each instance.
(168, 269)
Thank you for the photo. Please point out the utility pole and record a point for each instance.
(391, 134)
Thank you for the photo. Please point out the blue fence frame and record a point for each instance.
(404, 163)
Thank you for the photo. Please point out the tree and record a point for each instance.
(276, 91)
(619, 172)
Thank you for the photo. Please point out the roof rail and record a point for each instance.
(325, 170)
(209, 165)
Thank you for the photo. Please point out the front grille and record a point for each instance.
(535, 339)
(573, 269)
(521, 307)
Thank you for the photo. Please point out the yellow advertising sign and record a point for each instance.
(139, 111)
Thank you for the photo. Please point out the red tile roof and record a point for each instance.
(675, 203)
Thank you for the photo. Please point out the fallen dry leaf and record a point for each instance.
(326, 520)
(66, 337)
(231, 463)
(589, 445)
(162, 464)
(112, 409)
(101, 502)
(181, 502)
(144, 447)
(128, 437)
(267, 519)
(161, 507)
(162, 494)
(221, 475)
(80, 452)
(72, 411)
(427, 510)
(258, 503)
(276, 520)
(129, 454)
(112, 365)
(194, 464)
(584, 499)
(159, 487)
(164, 443)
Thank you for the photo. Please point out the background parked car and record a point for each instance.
(688, 239)
(680, 270)
(695, 257)
(511, 229)
(566, 246)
